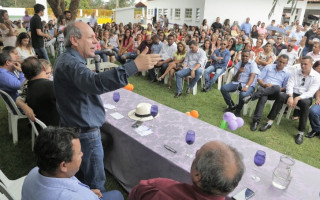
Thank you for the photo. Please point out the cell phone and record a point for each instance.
(244, 194)
(137, 124)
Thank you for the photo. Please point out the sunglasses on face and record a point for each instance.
(303, 81)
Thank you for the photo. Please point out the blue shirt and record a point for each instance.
(249, 68)
(10, 83)
(39, 187)
(271, 75)
(77, 89)
(156, 48)
(246, 27)
(221, 63)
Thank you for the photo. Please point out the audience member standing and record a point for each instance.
(93, 20)
(26, 19)
(246, 27)
(37, 34)
(216, 25)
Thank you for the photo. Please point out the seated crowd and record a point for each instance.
(256, 62)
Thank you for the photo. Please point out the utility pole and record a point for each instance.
(117, 3)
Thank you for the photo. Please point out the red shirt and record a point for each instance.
(167, 189)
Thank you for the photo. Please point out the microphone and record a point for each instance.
(97, 63)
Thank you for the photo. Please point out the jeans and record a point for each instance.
(91, 170)
(208, 71)
(314, 114)
(232, 87)
(102, 54)
(112, 195)
(186, 72)
(152, 73)
(305, 51)
(42, 53)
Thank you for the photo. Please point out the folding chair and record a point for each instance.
(11, 188)
(13, 117)
(34, 130)
(245, 106)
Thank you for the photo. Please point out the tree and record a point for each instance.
(58, 7)
(122, 3)
(84, 4)
(18, 3)
(275, 2)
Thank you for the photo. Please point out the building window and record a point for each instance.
(188, 13)
(171, 12)
(198, 14)
(165, 12)
(159, 12)
(177, 13)
(149, 12)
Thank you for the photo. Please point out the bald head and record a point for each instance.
(217, 168)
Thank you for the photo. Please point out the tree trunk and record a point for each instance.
(58, 7)
(74, 5)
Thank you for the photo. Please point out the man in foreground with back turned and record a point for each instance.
(215, 172)
(77, 91)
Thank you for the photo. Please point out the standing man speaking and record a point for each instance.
(77, 91)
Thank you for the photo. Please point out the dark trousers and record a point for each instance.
(264, 94)
(304, 105)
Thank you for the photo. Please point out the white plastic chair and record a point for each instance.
(13, 188)
(245, 106)
(4, 195)
(252, 105)
(34, 130)
(12, 117)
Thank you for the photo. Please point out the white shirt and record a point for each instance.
(293, 56)
(306, 87)
(192, 59)
(298, 35)
(314, 56)
(92, 21)
(113, 40)
(167, 51)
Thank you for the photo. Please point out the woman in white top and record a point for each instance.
(204, 26)
(9, 34)
(24, 47)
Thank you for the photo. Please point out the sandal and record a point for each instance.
(294, 118)
(160, 79)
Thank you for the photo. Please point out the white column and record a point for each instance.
(44, 3)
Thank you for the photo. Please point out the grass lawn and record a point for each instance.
(17, 161)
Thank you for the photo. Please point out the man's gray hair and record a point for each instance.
(212, 167)
(71, 30)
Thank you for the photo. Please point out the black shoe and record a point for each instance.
(177, 95)
(254, 126)
(153, 80)
(229, 109)
(299, 139)
(204, 89)
(265, 127)
(254, 97)
(188, 90)
(312, 134)
(247, 99)
(237, 113)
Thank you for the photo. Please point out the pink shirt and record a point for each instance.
(163, 188)
(262, 30)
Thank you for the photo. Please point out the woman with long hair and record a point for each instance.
(205, 27)
(126, 46)
(175, 65)
(254, 32)
(265, 57)
(258, 48)
(24, 46)
(9, 34)
(208, 49)
(58, 32)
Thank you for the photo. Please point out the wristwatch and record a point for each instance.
(246, 86)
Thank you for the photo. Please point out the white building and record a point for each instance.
(192, 12)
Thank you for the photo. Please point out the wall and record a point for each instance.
(182, 4)
(237, 10)
(124, 15)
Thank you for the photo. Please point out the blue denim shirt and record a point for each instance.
(271, 75)
(10, 83)
(221, 63)
(77, 89)
(246, 27)
(37, 186)
(249, 68)
(156, 48)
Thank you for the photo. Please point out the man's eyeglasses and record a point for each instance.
(279, 38)
(303, 81)
(224, 44)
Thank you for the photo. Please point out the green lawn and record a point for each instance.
(17, 161)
